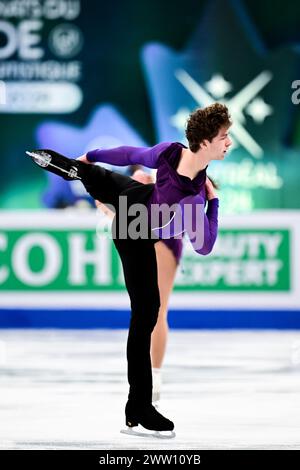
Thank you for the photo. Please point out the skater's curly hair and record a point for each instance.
(205, 123)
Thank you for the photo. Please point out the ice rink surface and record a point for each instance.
(66, 389)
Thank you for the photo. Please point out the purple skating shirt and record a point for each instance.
(170, 186)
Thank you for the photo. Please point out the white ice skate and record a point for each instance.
(156, 386)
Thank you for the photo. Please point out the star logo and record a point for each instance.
(217, 86)
(259, 110)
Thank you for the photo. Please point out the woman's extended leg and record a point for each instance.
(166, 265)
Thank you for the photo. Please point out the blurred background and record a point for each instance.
(77, 75)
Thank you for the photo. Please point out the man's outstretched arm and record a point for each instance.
(125, 155)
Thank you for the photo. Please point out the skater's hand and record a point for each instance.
(142, 177)
(83, 159)
(210, 190)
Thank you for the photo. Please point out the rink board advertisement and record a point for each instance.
(67, 259)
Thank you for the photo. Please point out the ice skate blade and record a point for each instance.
(142, 432)
(43, 159)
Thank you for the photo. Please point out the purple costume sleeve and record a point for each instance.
(205, 227)
(122, 156)
(210, 226)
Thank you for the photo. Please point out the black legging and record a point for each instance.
(140, 271)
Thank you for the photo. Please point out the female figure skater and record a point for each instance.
(181, 177)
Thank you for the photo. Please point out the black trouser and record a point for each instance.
(140, 271)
